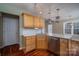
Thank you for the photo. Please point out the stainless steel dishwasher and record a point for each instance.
(54, 45)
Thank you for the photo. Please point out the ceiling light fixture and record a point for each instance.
(49, 14)
(57, 17)
(35, 10)
(40, 12)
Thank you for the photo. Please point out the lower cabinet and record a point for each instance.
(41, 42)
(73, 48)
(69, 47)
(35, 42)
(30, 43)
(64, 47)
(59, 46)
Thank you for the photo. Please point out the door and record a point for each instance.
(10, 30)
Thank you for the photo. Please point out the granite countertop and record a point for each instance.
(60, 35)
(68, 36)
(75, 37)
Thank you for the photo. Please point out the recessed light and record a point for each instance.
(40, 12)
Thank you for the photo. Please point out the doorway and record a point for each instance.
(10, 29)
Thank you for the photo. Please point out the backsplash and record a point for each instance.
(29, 32)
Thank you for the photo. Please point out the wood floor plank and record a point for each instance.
(39, 53)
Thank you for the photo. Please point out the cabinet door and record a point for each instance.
(28, 21)
(29, 43)
(28, 40)
(42, 42)
(45, 43)
(38, 44)
(36, 22)
(33, 41)
(63, 47)
(41, 22)
(73, 48)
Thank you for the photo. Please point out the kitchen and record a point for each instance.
(50, 27)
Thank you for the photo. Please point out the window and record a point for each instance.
(50, 28)
(76, 28)
(71, 27)
(68, 28)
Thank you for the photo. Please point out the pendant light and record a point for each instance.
(35, 4)
(49, 14)
(57, 16)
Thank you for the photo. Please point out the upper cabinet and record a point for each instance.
(28, 21)
(42, 23)
(38, 22)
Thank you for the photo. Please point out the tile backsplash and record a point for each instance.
(29, 32)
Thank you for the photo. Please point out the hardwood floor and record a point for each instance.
(39, 53)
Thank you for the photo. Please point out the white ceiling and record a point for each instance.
(66, 9)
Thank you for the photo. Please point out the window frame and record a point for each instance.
(72, 26)
(50, 30)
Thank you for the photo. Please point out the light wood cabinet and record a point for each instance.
(41, 42)
(28, 21)
(38, 22)
(30, 43)
(42, 24)
(63, 47)
(35, 42)
(73, 48)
